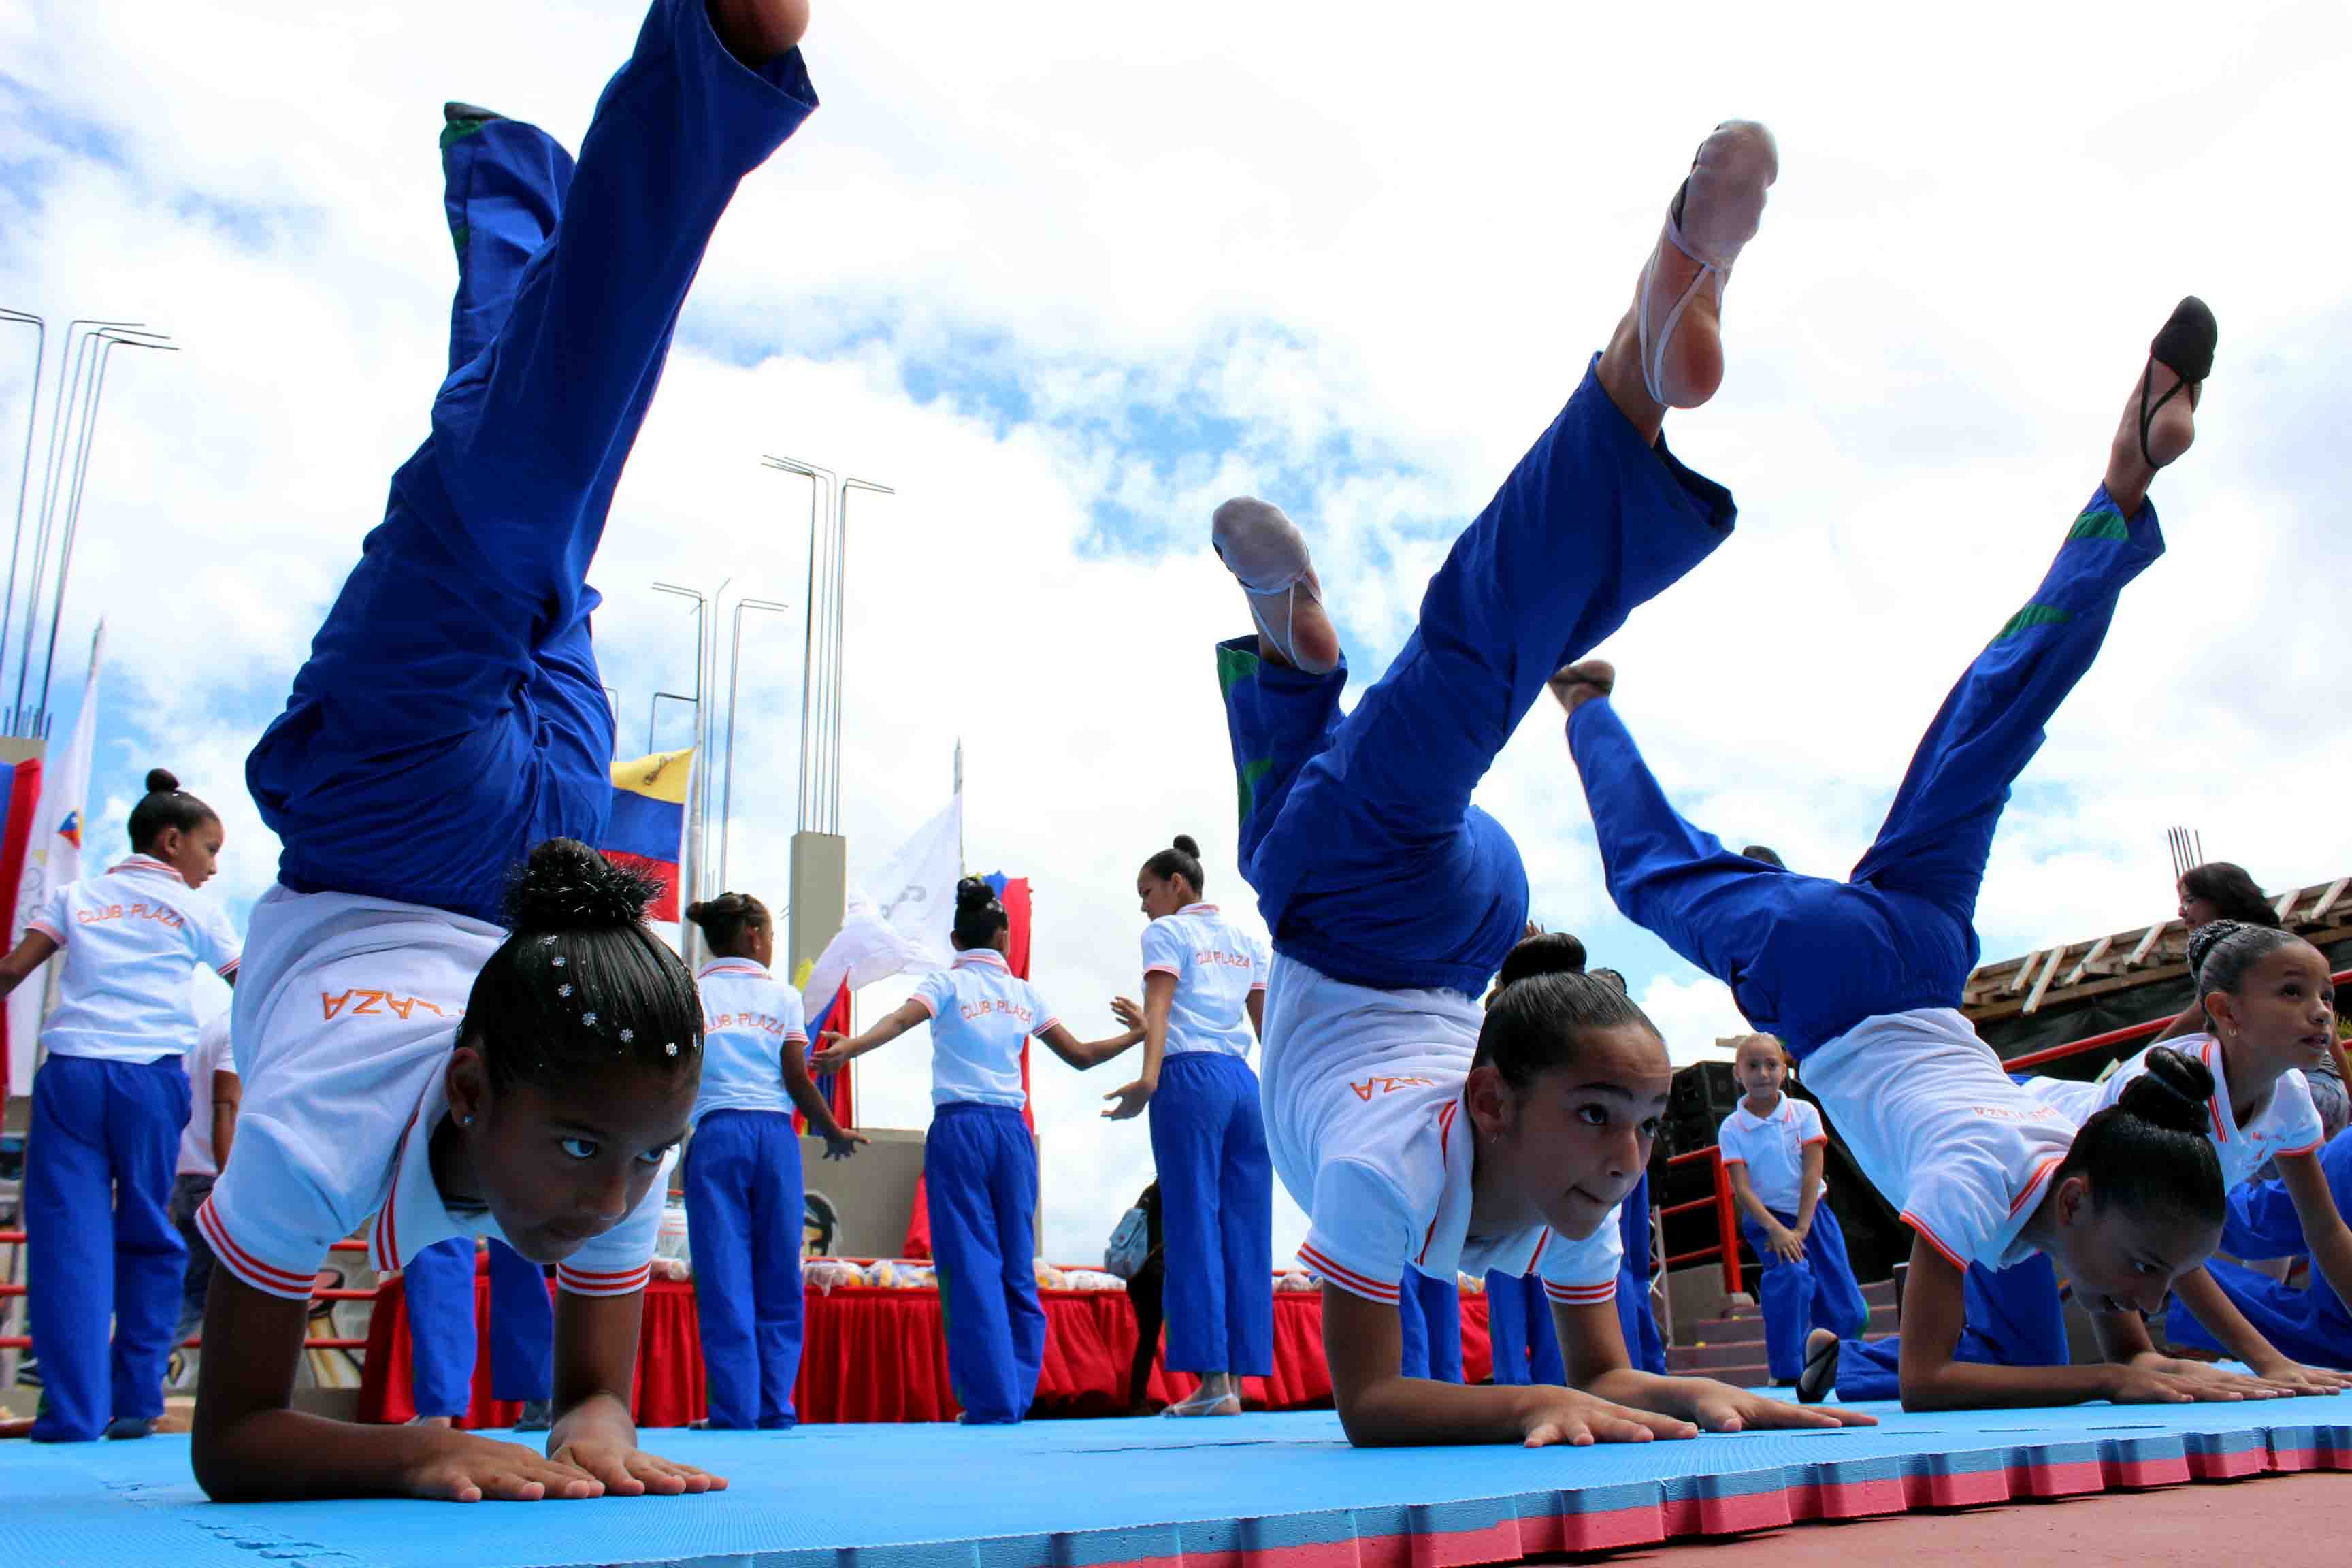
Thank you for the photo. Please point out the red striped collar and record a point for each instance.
(733, 966)
(148, 863)
(984, 956)
(1198, 910)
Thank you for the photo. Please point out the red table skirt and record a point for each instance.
(881, 1355)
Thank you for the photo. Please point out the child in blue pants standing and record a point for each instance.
(1772, 1151)
(438, 1284)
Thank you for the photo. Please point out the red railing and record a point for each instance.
(25, 1343)
(1727, 1218)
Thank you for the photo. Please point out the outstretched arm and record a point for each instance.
(838, 1144)
(2275, 1370)
(1592, 1345)
(838, 1049)
(1379, 1406)
(595, 1367)
(1084, 1054)
(1158, 997)
(2324, 1230)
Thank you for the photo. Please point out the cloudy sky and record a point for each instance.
(1067, 275)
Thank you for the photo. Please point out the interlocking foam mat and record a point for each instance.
(1257, 1490)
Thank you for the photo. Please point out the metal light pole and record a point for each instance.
(24, 469)
(73, 511)
(691, 878)
(734, 694)
(71, 406)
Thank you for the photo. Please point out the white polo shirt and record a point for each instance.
(1939, 1128)
(981, 1013)
(344, 1025)
(750, 1019)
(210, 1056)
(2287, 1124)
(132, 938)
(1362, 1094)
(1217, 966)
(1773, 1148)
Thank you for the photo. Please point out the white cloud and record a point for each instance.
(1389, 227)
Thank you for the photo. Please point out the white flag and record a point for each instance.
(52, 860)
(898, 917)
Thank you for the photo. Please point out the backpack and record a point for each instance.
(1130, 1244)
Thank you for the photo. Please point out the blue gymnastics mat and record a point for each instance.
(1255, 1490)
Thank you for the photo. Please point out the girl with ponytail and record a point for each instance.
(744, 1188)
(1203, 1001)
(109, 1102)
(980, 1160)
(1422, 1136)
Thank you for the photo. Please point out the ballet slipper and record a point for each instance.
(1267, 555)
(1820, 1376)
(1716, 211)
(2185, 347)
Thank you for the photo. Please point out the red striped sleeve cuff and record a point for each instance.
(1348, 1280)
(46, 929)
(226, 970)
(1932, 1240)
(796, 1038)
(1581, 1295)
(2307, 1148)
(596, 1283)
(271, 1281)
(1048, 1024)
(1735, 1160)
(1162, 969)
(1809, 1142)
(919, 1000)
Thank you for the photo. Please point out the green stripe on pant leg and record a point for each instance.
(1234, 666)
(2100, 525)
(1245, 783)
(2033, 615)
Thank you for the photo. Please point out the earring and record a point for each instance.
(467, 1119)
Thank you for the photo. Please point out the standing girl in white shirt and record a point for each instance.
(1203, 999)
(743, 1181)
(979, 1165)
(1418, 1135)
(423, 1034)
(107, 1107)
(1862, 979)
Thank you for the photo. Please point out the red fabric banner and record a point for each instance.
(16, 837)
(881, 1355)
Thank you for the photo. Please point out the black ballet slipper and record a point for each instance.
(2184, 347)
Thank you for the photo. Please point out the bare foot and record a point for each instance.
(756, 31)
(1267, 555)
(2166, 404)
(1575, 684)
(1667, 353)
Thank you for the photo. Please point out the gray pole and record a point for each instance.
(73, 511)
(53, 470)
(690, 873)
(734, 694)
(840, 599)
(25, 471)
(811, 716)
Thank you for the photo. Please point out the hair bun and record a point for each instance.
(1546, 953)
(1186, 846)
(974, 893)
(2174, 1092)
(567, 886)
(696, 910)
(2206, 938)
(160, 781)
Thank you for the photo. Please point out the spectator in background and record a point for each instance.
(1146, 1290)
(213, 1093)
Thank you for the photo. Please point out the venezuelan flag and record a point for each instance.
(648, 822)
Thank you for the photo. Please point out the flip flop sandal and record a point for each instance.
(2185, 347)
(1714, 213)
(1820, 1376)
